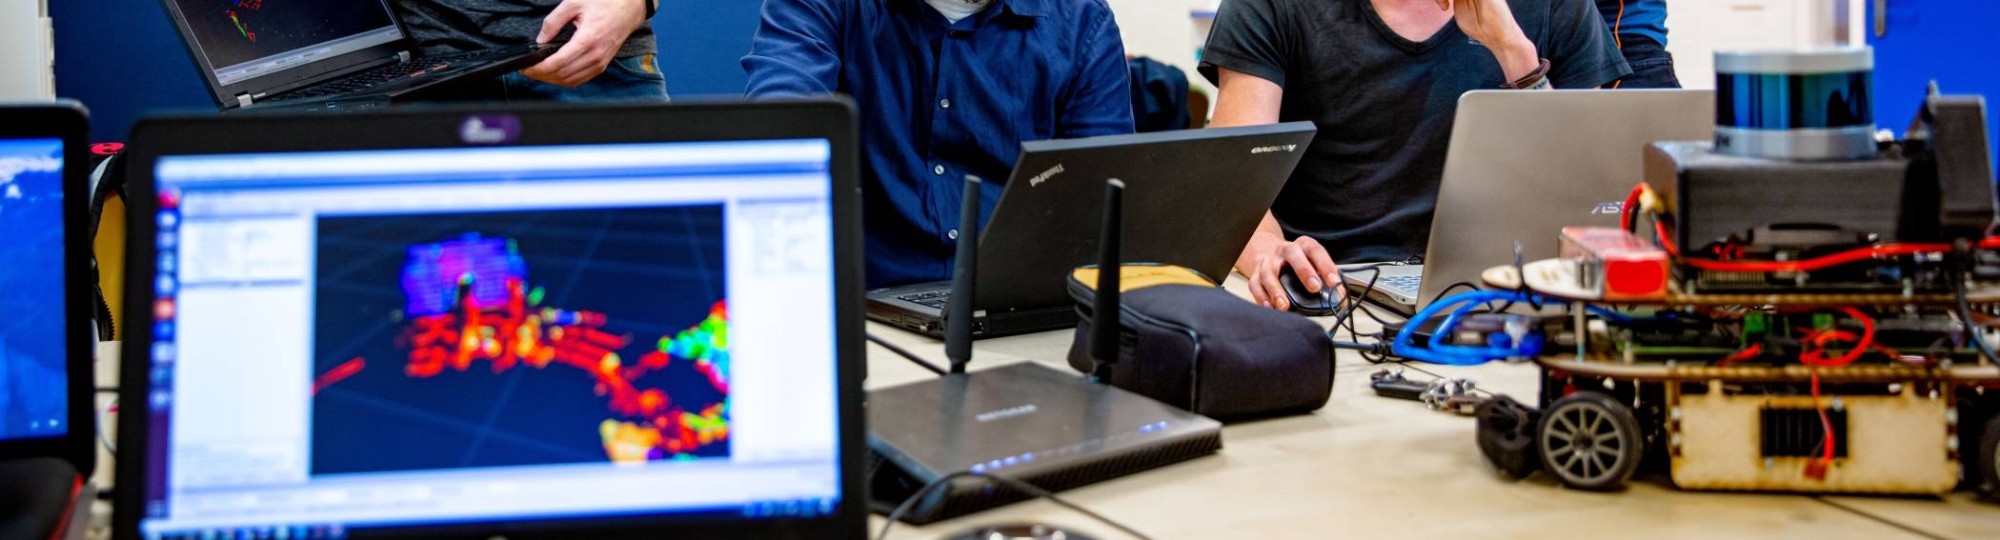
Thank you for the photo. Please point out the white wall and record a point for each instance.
(1164, 30)
(27, 67)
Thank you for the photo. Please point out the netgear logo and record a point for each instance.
(1045, 176)
(1273, 149)
(1010, 412)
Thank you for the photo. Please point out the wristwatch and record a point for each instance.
(1534, 80)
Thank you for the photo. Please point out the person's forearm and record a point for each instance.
(1518, 57)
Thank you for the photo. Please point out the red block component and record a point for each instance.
(1616, 263)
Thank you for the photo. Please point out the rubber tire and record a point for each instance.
(1988, 457)
(1506, 436)
(1610, 421)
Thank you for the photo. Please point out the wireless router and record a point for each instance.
(1030, 422)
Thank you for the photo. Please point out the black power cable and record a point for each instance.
(1010, 483)
(907, 355)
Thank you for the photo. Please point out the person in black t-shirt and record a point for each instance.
(607, 54)
(1381, 79)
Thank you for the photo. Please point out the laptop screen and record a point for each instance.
(34, 399)
(362, 339)
(246, 39)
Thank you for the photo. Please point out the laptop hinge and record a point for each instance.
(403, 56)
(243, 100)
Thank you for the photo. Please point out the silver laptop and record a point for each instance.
(1523, 165)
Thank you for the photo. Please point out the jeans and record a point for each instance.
(1652, 65)
(632, 78)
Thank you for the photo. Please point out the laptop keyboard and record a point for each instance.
(934, 299)
(390, 73)
(1399, 283)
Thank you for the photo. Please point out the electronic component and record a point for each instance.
(1615, 263)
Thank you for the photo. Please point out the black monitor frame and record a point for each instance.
(832, 120)
(69, 122)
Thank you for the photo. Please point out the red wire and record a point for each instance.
(1747, 353)
(1616, 25)
(1817, 358)
(1808, 265)
(1825, 423)
(1631, 205)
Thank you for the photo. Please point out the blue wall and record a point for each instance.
(123, 59)
(1953, 42)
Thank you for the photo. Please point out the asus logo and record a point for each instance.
(1271, 149)
(1045, 176)
(1608, 208)
(489, 129)
(1010, 412)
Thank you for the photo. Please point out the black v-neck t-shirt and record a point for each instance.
(1384, 105)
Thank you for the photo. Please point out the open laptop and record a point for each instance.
(1192, 199)
(322, 55)
(1523, 165)
(584, 323)
(48, 439)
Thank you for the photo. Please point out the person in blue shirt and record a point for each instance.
(1639, 29)
(946, 89)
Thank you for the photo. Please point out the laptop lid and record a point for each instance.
(1192, 198)
(549, 322)
(1523, 165)
(260, 47)
(46, 345)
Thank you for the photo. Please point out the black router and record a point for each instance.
(1048, 427)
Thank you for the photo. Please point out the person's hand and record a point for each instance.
(601, 28)
(1492, 24)
(1268, 255)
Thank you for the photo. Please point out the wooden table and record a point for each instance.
(1371, 467)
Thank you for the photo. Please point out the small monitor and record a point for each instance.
(239, 40)
(45, 345)
(535, 337)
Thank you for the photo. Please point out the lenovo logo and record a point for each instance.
(1010, 412)
(1045, 176)
(490, 129)
(1274, 149)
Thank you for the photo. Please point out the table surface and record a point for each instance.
(1371, 467)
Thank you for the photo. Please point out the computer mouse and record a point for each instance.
(1020, 531)
(1304, 302)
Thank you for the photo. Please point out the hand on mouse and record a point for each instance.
(1268, 254)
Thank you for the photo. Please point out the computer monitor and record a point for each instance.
(45, 344)
(607, 326)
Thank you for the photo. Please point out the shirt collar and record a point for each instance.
(1024, 8)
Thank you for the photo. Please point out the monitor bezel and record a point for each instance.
(67, 121)
(828, 119)
(288, 79)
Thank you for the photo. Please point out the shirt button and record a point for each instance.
(952, 234)
(944, 103)
(938, 169)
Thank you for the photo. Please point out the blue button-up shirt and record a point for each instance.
(939, 101)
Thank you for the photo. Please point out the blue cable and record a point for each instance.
(1439, 352)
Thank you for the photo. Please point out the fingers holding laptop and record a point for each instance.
(601, 27)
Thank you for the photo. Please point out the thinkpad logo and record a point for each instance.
(1272, 149)
(1010, 412)
(1608, 208)
(1045, 176)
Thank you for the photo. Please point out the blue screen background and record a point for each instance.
(33, 393)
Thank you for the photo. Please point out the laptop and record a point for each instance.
(48, 437)
(521, 323)
(1192, 199)
(323, 55)
(1523, 165)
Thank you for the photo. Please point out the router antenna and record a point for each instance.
(958, 310)
(1105, 326)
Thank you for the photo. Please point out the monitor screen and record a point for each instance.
(245, 39)
(395, 338)
(34, 389)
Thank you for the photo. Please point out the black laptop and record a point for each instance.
(324, 55)
(1192, 199)
(48, 439)
(546, 322)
